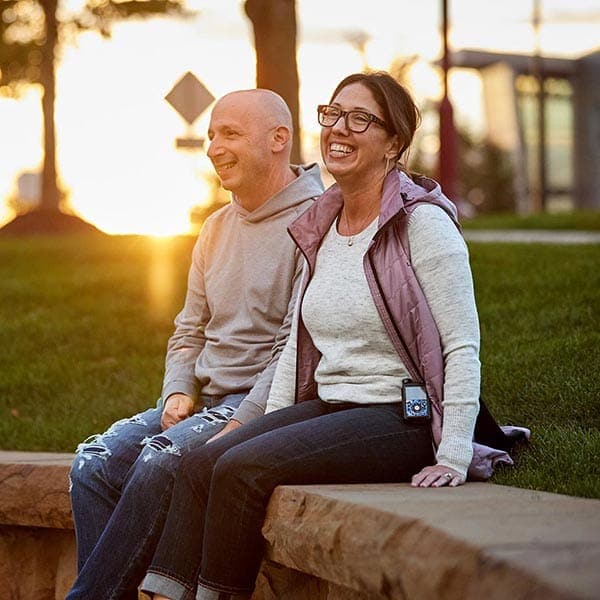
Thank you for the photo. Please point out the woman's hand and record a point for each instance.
(437, 476)
(233, 424)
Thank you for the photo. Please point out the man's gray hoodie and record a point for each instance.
(241, 291)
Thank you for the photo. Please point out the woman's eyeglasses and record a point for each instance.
(355, 120)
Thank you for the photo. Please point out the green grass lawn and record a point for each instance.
(540, 324)
(84, 324)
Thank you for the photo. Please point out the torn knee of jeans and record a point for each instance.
(113, 430)
(161, 443)
(93, 446)
(146, 440)
(219, 414)
(137, 420)
(223, 412)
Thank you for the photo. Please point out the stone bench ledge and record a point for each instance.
(37, 542)
(34, 489)
(355, 542)
(477, 541)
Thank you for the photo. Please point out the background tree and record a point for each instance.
(274, 24)
(31, 35)
(486, 174)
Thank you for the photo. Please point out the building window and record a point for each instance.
(559, 146)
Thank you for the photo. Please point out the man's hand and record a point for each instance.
(177, 408)
(233, 424)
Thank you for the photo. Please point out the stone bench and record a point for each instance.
(360, 542)
(37, 543)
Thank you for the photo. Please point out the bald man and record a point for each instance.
(221, 357)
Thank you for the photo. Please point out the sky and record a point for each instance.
(116, 133)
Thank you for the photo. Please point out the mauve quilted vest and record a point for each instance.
(398, 296)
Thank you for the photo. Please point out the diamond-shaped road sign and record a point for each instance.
(189, 97)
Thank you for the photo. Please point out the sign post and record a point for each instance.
(190, 98)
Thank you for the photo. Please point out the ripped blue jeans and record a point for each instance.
(121, 484)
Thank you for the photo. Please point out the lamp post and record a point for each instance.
(540, 194)
(448, 163)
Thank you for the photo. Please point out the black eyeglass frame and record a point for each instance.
(344, 113)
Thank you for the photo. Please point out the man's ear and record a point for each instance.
(280, 139)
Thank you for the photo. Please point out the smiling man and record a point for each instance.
(220, 359)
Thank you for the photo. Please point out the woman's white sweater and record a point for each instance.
(359, 363)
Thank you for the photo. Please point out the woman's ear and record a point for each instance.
(392, 149)
(281, 138)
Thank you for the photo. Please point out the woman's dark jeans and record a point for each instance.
(213, 530)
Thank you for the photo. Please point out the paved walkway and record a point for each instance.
(536, 236)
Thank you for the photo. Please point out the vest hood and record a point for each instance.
(400, 194)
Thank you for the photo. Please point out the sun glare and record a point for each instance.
(161, 278)
(116, 133)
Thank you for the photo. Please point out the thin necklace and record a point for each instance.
(362, 225)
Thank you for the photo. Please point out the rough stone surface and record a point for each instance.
(476, 541)
(276, 582)
(360, 542)
(34, 490)
(36, 563)
(37, 542)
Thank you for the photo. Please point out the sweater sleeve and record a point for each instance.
(255, 402)
(188, 339)
(440, 260)
(283, 390)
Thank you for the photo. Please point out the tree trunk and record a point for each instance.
(274, 23)
(51, 193)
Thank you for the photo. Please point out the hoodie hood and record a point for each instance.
(307, 185)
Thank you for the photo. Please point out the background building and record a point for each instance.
(556, 164)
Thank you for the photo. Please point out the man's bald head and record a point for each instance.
(250, 135)
(267, 105)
